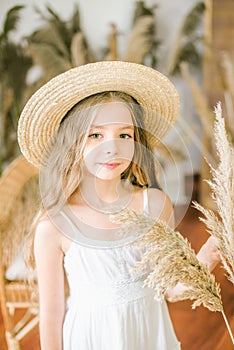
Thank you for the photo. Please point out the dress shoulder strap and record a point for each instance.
(69, 221)
(145, 201)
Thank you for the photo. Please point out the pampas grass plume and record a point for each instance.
(171, 260)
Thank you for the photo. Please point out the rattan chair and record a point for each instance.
(17, 207)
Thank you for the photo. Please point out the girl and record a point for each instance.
(92, 131)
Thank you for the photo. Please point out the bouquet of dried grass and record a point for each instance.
(171, 261)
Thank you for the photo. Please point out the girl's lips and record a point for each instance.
(110, 165)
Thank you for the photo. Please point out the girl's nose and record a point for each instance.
(111, 147)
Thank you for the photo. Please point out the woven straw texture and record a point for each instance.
(11, 183)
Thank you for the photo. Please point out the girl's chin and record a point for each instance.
(106, 173)
(106, 177)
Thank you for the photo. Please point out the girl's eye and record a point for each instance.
(125, 136)
(95, 136)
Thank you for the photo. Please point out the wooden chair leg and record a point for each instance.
(21, 329)
(27, 327)
(22, 321)
(12, 342)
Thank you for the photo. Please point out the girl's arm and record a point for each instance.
(49, 264)
(160, 206)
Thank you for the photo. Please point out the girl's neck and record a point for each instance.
(103, 194)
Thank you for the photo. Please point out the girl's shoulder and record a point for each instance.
(155, 193)
(46, 231)
(155, 196)
(160, 206)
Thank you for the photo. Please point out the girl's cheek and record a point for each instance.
(91, 154)
(89, 147)
(127, 149)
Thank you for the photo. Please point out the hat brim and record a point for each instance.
(42, 115)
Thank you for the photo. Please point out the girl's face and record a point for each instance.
(110, 145)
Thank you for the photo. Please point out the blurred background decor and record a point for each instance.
(12, 85)
(190, 42)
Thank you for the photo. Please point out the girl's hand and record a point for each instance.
(176, 291)
(209, 254)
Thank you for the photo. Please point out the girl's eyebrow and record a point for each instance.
(120, 128)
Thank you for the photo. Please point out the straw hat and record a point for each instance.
(44, 111)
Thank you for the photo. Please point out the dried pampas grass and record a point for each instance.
(80, 52)
(141, 39)
(206, 116)
(222, 187)
(112, 51)
(227, 75)
(171, 261)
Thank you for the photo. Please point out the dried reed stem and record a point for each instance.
(228, 326)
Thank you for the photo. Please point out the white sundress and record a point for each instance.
(107, 308)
